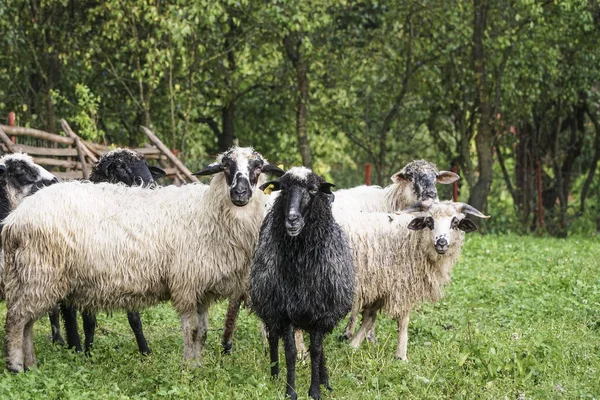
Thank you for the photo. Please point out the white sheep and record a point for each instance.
(131, 247)
(399, 264)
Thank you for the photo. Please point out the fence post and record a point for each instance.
(455, 184)
(368, 174)
(11, 122)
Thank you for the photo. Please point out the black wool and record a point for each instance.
(304, 281)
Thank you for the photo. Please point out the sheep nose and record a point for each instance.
(293, 217)
(240, 191)
(441, 246)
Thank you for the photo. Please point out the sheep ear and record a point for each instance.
(466, 225)
(326, 187)
(104, 167)
(269, 168)
(210, 170)
(156, 172)
(446, 177)
(271, 186)
(398, 177)
(417, 224)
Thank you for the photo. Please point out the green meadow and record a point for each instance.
(521, 319)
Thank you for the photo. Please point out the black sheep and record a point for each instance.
(302, 273)
(117, 166)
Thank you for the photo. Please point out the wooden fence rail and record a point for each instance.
(74, 157)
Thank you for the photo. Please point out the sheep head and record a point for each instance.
(300, 187)
(441, 218)
(242, 167)
(125, 166)
(21, 177)
(420, 177)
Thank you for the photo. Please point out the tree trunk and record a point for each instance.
(292, 47)
(592, 171)
(483, 140)
(227, 135)
(227, 132)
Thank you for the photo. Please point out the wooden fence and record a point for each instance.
(70, 157)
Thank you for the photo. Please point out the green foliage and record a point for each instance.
(389, 81)
(85, 113)
(520, 318)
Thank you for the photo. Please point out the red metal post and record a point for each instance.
(455, 184)
(11, 122)
(539, 193)
(367, 174)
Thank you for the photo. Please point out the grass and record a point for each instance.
(521, 319)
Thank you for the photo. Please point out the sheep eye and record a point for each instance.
(313, 191)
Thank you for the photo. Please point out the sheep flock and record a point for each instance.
(301, 255)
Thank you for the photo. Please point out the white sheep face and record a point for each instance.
(21, 177)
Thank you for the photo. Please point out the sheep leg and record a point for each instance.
(273, 339)
(136, 326)
(29, 353)
(290, 361)
(203, 325)
(190, 322)
(371, 337)
(54, 316)
(13, 339)
(324, 376)
(70, 317)
(350, 327)
(195, 327)
(316, 352)
(402, 336)
(233, 311)
(89, 328)
(369, 316)
(300, 346)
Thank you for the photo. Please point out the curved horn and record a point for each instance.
(419, 206)
(468, 209)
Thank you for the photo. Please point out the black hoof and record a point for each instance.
(58, 340)
(227, 347)
(146, 353)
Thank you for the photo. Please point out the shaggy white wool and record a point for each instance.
(188, 243)
(397, 265)
(299, 172)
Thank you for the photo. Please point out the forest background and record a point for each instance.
(505, 91)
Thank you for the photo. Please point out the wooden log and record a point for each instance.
(147, 150)
(41, 151)
(20, 131)
(154, 139)
(8, 146)
(68, 175)
(81, 153)
(77, 139)
(55, 162)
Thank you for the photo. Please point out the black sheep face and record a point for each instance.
(422, 177)
(299, 189)
(21, 177)
(125, 166)
(242, 167)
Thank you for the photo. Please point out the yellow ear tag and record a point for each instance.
(269, 189)
(280, 166)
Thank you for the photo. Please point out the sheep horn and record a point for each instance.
(468, 209)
